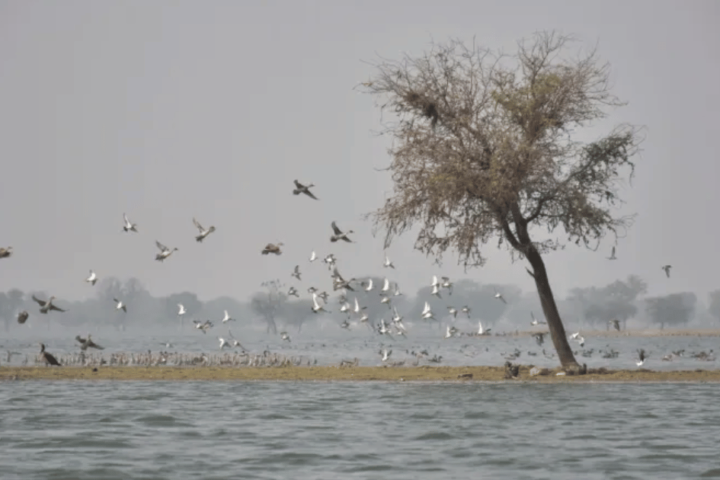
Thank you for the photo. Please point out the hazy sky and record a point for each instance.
(172, 109)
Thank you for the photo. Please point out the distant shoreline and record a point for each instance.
(670, 332)
(361, 374)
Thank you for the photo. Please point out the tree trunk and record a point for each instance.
(552, 315)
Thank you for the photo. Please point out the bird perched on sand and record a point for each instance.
(47, 357)
(667, 269)
(272, 248)
(46, 306)
(203, 232)
(339, 235)
(300, 188)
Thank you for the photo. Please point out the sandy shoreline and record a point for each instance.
(332, 373)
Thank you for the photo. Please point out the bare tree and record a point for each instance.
(270, 304)
(483, 147)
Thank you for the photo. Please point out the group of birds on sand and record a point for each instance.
(394, 326)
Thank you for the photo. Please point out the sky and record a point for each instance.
(170, 110)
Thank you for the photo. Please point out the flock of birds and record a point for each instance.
(355, 313)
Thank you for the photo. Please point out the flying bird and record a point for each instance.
(227, 318)
(642, 357)
(539, 338)
(300, 188)
(466, 310)
(22, 317)
(427, 312)
(339, 235)
(165, 252)
(120, 305)
(313, 256)
(296, 272)
(203, 232)
(181, 310)
(285, 336)
(316, 305)
(92, 279)
(203, 326)
(452, 311)
(388, 263)
(667, 269)
(272, 248)
(5, 252)
(536, 322)
(292, 292)
(499, 296)
(615, 324)
(612, 255)
(129, 227)
(46, 306)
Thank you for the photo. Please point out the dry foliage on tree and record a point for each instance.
(483, 148)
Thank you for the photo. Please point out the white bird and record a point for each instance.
(203, 232)
(313, 256)
(345, 324)
(293, 292)
(452, 311)
(434, 281)
(129, 227)
(612, 255)
(181, 310)
(427, 312)
(450, 332)
(539, 338)
(436, 290)
(357, 306)
(642, 357)
(369, 285)
(296, 272)
(499, 296)
(482, 331)
(119, 305)
(466, 310)
(397, 290)
(388, 263)
(446, 283)
(316, 305)
(345, 307)
(579, 338)
(285, 336)
(667, 269)
(223, 343)
(227, 317)
(385, 354)
(92, 279)
(386, 300)
(534, 321)
(165, 252)
(386, 285)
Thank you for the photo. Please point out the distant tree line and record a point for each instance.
(272, 307)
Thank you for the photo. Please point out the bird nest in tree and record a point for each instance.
(424, 105)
